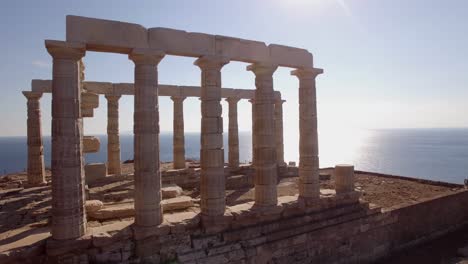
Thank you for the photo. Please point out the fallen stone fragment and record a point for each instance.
(93, 205)
(171, 191)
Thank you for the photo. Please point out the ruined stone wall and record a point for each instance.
(336, 231)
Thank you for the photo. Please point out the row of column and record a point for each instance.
(68, 215)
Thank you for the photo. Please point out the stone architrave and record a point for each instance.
(279, 132)
(309, 182)
(36, 169)
(68, 196)
(212, 183)
(178, 142)
(113, 139)
(233, 136)
(148, 210)
(264, 134)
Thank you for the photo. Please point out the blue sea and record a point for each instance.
(435, 154)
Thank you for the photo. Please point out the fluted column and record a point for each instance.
(309, 184)
(68, 196)
(113, 140)
(36, 170)
(178, 142)
(148, 210)
(212, 184)
(233, 136)
(252, 101)
(279, 131)
(264, 134)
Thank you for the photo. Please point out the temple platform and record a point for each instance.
(385, 214)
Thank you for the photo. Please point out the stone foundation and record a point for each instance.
(335, 229)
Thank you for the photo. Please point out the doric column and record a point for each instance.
(279, 131)
(233, 136)
(178, 142)
(36, 171)
(148, 210)
(264, 134)
(113, 140)
(212, 184)
(68, 196)
(252, 101)
(309, 184)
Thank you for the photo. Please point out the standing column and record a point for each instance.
(178, 142)
(264, 134)
(36, 171)
(68, 196)
(309, 183)
(212, 183)
(252, 101)
(233, 136)
(148, 210)
(279, 131)
(113, 140)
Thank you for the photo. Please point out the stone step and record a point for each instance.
(122, 210)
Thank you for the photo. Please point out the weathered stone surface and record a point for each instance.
(344, 178)
(171, 191)
(91, 144)
(95, 171)
(68, 217)
(290, 56)
(178, 203)
(106, 35)
(182, 43)
(93, 205)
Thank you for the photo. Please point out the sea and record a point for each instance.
(434, 154)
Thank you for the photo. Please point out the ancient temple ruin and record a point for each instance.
(314, 225)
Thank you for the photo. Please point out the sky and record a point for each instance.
(387, 63)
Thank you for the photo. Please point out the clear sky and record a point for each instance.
(388, 63)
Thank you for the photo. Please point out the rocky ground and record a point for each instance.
(25, 211)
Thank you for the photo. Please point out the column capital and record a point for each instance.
(178, 98)
(232, 100)
(262, 68)
(211, 62)
(32, 95)
(141, 56)
(65, 50)
(307, 73)
(112, 97)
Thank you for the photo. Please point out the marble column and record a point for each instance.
(178, 142)
(36, 170)
(233, 136)
(212, 183)
(113, 140)
(279, 131)
(68, 195)
(264, 134)
(252, 101)
(148, 210)
(309, 184)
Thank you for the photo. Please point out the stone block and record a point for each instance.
(106, 35)
(93, 205)
(171, 191)
(290, 56)
(91, 144)
(98, 88)
(95, 171)
(241, 49)
(182, 43)
(43, 86)
(178, 203)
